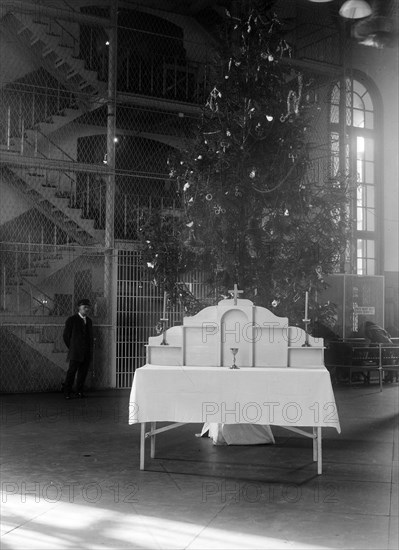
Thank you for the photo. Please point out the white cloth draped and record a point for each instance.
(251, 396)
(238, 434)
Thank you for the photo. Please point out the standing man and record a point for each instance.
(78, 338)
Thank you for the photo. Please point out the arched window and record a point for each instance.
(353, 150)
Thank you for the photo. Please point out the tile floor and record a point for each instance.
(71, 480)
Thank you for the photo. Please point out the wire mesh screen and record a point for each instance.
(140, 306)
(56, 177)
(40, 287)
(54, 172)
(34, 357)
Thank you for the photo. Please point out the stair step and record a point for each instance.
(66, 46)
(65, 195)
(47, 51)
(34, 40)
(71, 74)
(41, 265)
(59, 62)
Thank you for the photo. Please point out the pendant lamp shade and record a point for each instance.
(355, 9)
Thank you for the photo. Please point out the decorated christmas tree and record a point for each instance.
(254, 216)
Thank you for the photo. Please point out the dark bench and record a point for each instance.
(354, 362)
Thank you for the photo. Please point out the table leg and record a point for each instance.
(319, 455)
(153, 427)
(142, 446)
(314, 440)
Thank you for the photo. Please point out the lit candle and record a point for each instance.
(306, 305)
(164, 305)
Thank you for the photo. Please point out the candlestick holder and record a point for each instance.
(164, 320)
(234, 351)
(306, 344)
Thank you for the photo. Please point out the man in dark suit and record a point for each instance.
(78, 338)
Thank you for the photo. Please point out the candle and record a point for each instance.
(306, 305)
(164, 305)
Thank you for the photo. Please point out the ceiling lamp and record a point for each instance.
(355, 9)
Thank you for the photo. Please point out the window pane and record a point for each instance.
(369, 149)
(358, 118)
(368, 104)
(358, 88)
(358, 102)
(334, 142)
(359, 221)
(348, 117)
(369, 123)
(334, 114)
(370, 267)
(365, 262)
(360, 155)
(370, 220)
(370, 197)
(335, 94)
(369, 172)
(359, 171)
(360, 146)
(370, 248)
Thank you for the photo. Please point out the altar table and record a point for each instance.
(290, 397)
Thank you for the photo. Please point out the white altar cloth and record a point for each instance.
(238, 434)
(284, 396)
(281, 396)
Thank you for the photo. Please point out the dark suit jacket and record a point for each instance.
(78, 338)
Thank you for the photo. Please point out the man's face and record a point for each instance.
(84, 310)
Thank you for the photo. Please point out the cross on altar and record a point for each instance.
(235, 293)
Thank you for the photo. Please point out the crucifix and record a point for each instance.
(235, 292)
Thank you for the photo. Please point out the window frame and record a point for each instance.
(348, 139)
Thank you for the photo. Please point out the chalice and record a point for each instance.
(234, 351)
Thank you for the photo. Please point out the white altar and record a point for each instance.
(281, 379)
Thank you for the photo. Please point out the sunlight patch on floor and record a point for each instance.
(41, 525)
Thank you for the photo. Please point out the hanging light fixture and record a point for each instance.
(355, 9)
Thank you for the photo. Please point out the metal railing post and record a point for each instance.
(110, 272)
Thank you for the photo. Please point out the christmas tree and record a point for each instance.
(254, 216)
